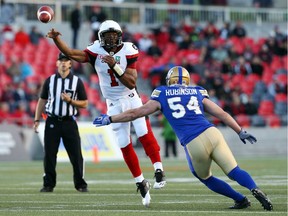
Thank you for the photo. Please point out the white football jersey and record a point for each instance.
(110, 85)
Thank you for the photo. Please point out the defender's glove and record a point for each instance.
(244, 135)
(102, 120)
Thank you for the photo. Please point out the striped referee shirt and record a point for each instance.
(52, 89)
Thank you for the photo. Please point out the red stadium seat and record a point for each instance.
(280, 97)
(195, 78)
(254, 78)
(267, 78)
(144, 98)
(243, 120)
(273, 121)
(155, 81)
(266, 108)
(282, 78)
(247, 87)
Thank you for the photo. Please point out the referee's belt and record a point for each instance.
(61, 118)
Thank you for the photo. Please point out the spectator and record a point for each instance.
(21, 37)
(19, 94)
(277, 34)
(161, 71)
(144, 42)
(225, 31)
(20, 115)
(276, 87)
(7, 13)
(25, 69)
(185, 43)
(249, 106)
(265, 55)
(220, 53)
(7, 33)
(256, 66)
(235, 107)
(127, 35)
(239, 31)
(210, 31)
(154, 50)
(189, 66)
(75, 22)
(14, 70)
(8, 95)
(242, 67)
(213, 97)
(4, 112)
(165, 33)
(226, 66)
(263, 4)
(248, 53)
(35, 35)
(96, 18)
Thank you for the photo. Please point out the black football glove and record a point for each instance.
(244, 135)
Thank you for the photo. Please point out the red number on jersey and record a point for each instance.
(113, 79)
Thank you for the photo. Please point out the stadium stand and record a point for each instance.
(268, 92)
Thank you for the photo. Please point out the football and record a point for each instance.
(45, 14)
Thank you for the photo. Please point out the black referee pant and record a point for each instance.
(67, 129)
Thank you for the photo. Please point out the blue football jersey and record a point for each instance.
(183, 108)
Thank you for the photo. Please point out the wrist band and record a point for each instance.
(110, 119)
(117, 69)
(36, 120)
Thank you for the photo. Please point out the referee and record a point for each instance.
(61, 96)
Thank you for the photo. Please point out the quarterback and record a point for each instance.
(184, 106)
(115, 63)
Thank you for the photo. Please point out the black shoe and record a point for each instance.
(160, 179)
(144, 188)
(262, 198)
(47, 189)
(82, 189)
(245, 203)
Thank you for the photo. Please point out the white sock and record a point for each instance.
(139, 178)
(158, 165)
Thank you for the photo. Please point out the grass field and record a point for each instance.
(112, 191)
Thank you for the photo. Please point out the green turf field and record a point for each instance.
(113, 191)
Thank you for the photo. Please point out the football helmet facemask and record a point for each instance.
(110, 42)
(178, 76)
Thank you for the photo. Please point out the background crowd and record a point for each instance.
(245, 76)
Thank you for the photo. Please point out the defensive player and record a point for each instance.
(115, 64)
(184, 106)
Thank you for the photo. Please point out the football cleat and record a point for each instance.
(159, 179)
(144, 188)
(84, 189)
(245, 203)
(263, 199)
(178, 76)
(46, 189)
